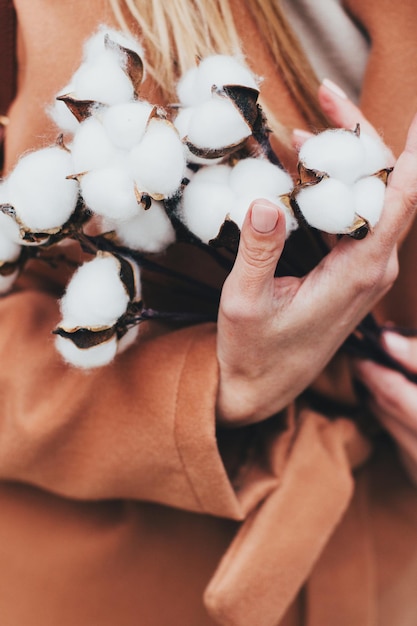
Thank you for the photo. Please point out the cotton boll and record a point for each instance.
(109, 192)
(186, 88)
(158, 162)
(95, 46)
(339, 153)
(149, 231)
(95, 295)
(376, 154)
(182, 124)
(91, 148)
(61, 115)
(328, 206)
(126, 123)
(221, 70)
(87, 358)
(6, 282)
(205, 206)
(8, 227)
(259, 176)
(103, 79)
(9, 249)
(217, 174)
(216, 124)
(369, 195)
(39, 191)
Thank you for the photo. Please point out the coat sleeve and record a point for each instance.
(142, 427)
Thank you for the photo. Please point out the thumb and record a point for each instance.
(261, 243)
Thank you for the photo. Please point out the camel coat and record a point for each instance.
(121, 502)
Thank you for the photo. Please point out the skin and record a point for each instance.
(392, 398)
(292, 327)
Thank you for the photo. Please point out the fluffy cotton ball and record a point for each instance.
(95, 46)
(254, 175)
(216, 124)
(110, 192)
(9, 249)
(182, 124)
(149, 231)
(195, 86)
(8, 227)
(91, 148)
(6, 282)
(369, 195)
(95, 295)
(39, 191)
(205, 206)
(125, 123)
(158, 162)
(377, 156)
(103, 79)
(87, 358)
(328, 206)
(60, 113)
(339, 153)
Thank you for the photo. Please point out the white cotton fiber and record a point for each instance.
(149, 231)
(186, 88)
(338, 152)
(158, 162)
(218, 174)
(103, 80)
(251, 176)
(125, 123)
(205, 206)
(95, 295)
(97, 356)
(60, 113)
(8, 226)
(38, 189)
(6, 282)
(369, 195)
(216, 124)
(376, 154)
(95, 46)
(110, 192)
(328, 206)
(221, 70)
(9, 249)
(91, 148)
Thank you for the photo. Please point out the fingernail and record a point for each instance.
(264, 217)
(397, 345)
(299, 133)
(331, 86)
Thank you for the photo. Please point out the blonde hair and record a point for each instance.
(179, 31)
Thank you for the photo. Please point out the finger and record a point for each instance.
(299, 136)
(341, 111)
(261, 243)
(403, 349)
(391, 393)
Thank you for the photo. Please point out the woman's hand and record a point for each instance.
(275, 335)
(393, 398)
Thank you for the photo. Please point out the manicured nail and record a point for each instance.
(397, 345)
(264, 217)
(299, 133)
(331, 86)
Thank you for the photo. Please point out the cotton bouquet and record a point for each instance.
(151, 176)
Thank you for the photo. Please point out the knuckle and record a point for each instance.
(240, 308)
(258, 256)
